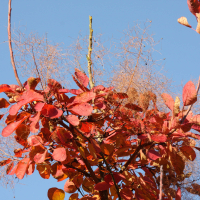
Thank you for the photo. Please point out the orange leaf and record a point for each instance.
(74, 197)
(3, 103)
(56, 194)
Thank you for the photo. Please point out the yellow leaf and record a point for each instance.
(74, 197)
(183, 21)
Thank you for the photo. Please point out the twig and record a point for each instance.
(133, 155)
(90, 53)
(161, 180)
(10, 45)
(96, 180)
(77, 169)
(108, 168)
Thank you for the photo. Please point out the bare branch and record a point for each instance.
(10, 44)
(161, 184)
(90, 53)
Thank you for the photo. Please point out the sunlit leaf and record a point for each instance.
(22, 167)
(189, 94)
(56, 194)
(183, 21)
(169, 101)
(72, 119)
(69, 187)
(9, 129)
(59, 154)
(83, 109)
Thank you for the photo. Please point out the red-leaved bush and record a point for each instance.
(101, 146)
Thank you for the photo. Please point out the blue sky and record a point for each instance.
(63, 20)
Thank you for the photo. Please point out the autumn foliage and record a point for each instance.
(98, 144)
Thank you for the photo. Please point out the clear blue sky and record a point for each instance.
(63, 20)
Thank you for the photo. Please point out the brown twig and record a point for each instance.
(161, 182)
(10, 45)
(108, 168)
(77, 169)
(133, 155)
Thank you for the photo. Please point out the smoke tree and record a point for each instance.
(102, 146)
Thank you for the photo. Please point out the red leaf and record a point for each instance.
(102, 186)
(194, 6)
(9, 129)
(159, 138)
(59, 154)
(22, 167)
(117, 176)
(178, 194)
(51, 111)
(153, 155)
(169, 101)
(73, 120)
(82, 98)
(53, 84)
(3, 103)
(34, 140)
(38, 107)
(69, 187)
(27, 97)
(189, 94)
(126, 194)
(82, 78)
(5, 88)
(84, 109)
(133, 107)
(40, 157)
(5, 162)
(95, 145)
(188, 152)
(34, 126)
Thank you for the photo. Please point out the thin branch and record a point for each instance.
(108, 168)
(90, 53)
(134, 155)
(96, 180)
(10, 45)
(161, 182)
(77, 169)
